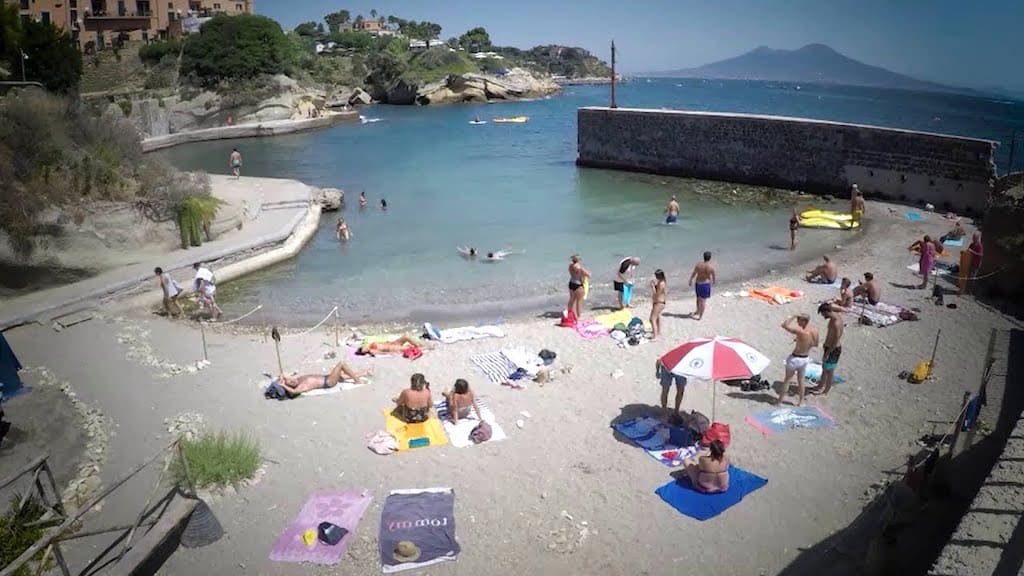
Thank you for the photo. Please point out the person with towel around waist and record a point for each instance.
(806, 338)
(624, 276)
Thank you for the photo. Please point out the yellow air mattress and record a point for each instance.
(827, 219)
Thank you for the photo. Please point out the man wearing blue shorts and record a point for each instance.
(672, 211)
(701, 279)
(667, 378)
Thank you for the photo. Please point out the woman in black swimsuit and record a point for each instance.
(576, 275)
(659, 293)
(794, 223)
(414, 403)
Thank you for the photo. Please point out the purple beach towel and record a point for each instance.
(426, 518)
(344, 508)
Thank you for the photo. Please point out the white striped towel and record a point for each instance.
(495, 365)
(458, 434)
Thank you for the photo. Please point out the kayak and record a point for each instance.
(820, 222)
(513, 120)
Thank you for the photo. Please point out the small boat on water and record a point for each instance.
(512, 120)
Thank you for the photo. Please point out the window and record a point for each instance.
(216, 6)
(145, 35)
(24, 5)
(73, 4)
(170, 6)
(44, 17)
(238, 7)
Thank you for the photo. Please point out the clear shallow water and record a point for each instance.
(449, 183)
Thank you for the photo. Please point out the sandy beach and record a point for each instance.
(561, 495)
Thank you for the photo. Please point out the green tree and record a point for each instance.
(10, 35)
(395, 23)
(336, 19)
(384, 68)
(310, 29)
(51, 57)
(429, 31)
(475, 40)
(231, 47)
(353, 39)
(373, 14)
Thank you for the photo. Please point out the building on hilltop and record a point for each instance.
(99, 24)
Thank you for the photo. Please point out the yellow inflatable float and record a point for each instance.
(513, 120)
(827, 219)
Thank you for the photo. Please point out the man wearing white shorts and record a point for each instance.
(806, 338)
(206, 288)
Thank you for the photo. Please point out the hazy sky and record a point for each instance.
(956, 42)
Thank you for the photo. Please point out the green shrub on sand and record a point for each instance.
(195, 215)
(15, 538)
(218, 459)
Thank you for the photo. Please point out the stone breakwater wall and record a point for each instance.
(816, 156)
(254, 130)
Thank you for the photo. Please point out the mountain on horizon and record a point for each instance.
(811, 63)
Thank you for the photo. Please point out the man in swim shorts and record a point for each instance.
(672, 211)
(868, 289)
(825, 273)
(667, 379)
(796, 364)
(236, 162)
(623, 276)
(856, 205)
(832, 348)
(704, 276)
(296, 385)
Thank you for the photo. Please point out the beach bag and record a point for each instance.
(275, 391)
(568, 319)
(380, 442)
(696, 422)
(717, 431)
(482, 433)
(412, 353)
(547, 356)
(330, 534)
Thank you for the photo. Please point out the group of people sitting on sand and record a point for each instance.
(415, 404)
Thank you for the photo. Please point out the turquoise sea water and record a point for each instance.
(449, 183)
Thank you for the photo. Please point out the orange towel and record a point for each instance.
(776, 295)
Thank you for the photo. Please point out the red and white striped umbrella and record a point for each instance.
(718, 358)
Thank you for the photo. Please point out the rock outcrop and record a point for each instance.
(349, 97)
(516, 84)
(402, 92)
(329, 199)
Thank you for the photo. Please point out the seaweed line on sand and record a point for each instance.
(140, 350)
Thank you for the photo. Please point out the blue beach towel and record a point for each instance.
(669, 445)
(914, 217)
(790, 417)
(10, 382)
(957, 243)
(813, 374)
(627, 294)
(681, 495)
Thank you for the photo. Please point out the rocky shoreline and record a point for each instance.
(517, 84)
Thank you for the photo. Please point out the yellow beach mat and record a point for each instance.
(608, 321)
(827, 219)
(431, 432)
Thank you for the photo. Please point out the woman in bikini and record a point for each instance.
(461, 401)
(576, 275)
(710, 472)
(659, 292)
(396, 346)
(343, 232)
(414, 404)
(296, 385)
(794, 223)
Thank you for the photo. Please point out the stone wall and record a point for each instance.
(815, 156)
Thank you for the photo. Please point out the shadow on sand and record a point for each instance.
(630, 411)
(899, 533)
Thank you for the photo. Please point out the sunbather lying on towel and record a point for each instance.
(460, 401)
(414, 404)
(296, 385)
(710, 472)
(395, 346)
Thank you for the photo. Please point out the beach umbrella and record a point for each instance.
(715, 358)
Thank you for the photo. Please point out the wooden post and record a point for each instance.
(613, 104)
(337, 329)
(959, 422)
(931, 363)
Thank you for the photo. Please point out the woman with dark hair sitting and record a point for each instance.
(710, 472)
(414, 403)
(460, 401)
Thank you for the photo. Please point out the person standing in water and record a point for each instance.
(236, 162)
(384, 205)
(704, 276)
(362, 200)
(343, 232)
(577, 273)
(659, 294)
(672, 211)
(856, 206)
(623, 278)
(794, 223)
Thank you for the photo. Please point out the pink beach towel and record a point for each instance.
(344, 508)
(590, 329)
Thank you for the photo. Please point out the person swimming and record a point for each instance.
(467, 251)
(500, 255)
(383, 204)
(362, 199)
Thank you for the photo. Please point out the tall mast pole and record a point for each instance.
(613, 104)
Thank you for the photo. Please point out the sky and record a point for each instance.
(953, 42)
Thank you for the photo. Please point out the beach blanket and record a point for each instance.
(776, 295)
(463, 333)
(524, 360)
(458, 434)
(666, 444)
(590, 329)
(914, 217)
(954, 242)
(681, 495)
(813, 374)
(342, 508)
(495, 366)
(609, 320)
(421, 434)
(880, 314)
(423, 518)
(781, 419)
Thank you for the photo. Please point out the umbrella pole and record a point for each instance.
(714, 400)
